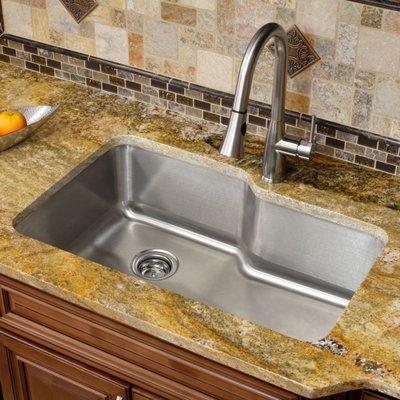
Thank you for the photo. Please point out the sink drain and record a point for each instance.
(154, 265)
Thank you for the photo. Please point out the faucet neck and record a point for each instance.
(234, 139)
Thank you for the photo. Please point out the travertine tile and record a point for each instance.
(331, 100)
(136, 53)
(372, 17)
(381, 125)
(387, 100)
(60, 19)
(378, 51)
(226, 16)
(391, 21)
(161, 38)
(346, 45)
(214, 70)
(297, 102)
(206, 4)
(197, 38)
(365, 79)
(145, 7)
(318, 17)
(350, 12)
(14, 11)
(206, 20)
(180, 15)
(40, 26)
(111, 43)
(362, 109)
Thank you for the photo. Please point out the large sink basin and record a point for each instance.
(287, 270)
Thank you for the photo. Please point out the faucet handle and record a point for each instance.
(305, 147)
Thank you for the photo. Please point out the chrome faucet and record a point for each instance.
(277, 146)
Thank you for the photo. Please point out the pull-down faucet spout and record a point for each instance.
(276, 145)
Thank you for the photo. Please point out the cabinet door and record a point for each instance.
(140, 394)
(30, 372)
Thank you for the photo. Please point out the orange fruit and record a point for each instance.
(11, 121)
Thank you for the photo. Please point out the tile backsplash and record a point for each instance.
(356, 82)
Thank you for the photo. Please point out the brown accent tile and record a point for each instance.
(391, 148)
(38, 59)
(211, 98)
(372, 17)
(187, 101)
(392, 159)
(211, 117)
(29, 65)
(297, 102)
(368, 142)
(79, 9)
(367, 162)
(347, 137)
(381, 166)
(109, 88)
(9, 51)
(225, 121)
(257, 121)
(54, 64)
(137, 87)
(91, 64)
(327, 130)
(6, 59)
(301, 54)
(117, 81)
(202, 105)
(159, 84)
(108, 69)
(167, 95)
(176, 89)
(227, 102)
(336, 143)
(93, 83)
(46, 70)
(264, 112)
(135, 42)
(30, 49)
(178, 14)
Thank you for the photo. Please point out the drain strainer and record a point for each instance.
(154, 265)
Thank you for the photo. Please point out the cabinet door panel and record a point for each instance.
(38, 374)
(140, 394)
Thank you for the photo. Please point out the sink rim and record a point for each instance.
(264, 192)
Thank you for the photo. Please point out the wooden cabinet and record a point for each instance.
(51, 349)
(34, 373)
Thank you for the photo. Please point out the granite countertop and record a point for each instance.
(363, 348)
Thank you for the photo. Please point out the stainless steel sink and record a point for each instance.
(284, 269)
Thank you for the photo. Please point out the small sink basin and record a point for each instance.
(211, 239)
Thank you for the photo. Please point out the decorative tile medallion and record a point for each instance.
(79, 9)
(301, 54)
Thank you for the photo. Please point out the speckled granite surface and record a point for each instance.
(364, 345)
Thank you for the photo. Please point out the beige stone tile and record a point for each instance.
(179, 70)
(205, 4)
(372, 17)
(261, 92)
(346, 45)
(80, 44)
(381, 125)
(196, 38)
(387, 100)
(251, 15)
(331, 100)
(150, 8)
(350, 12)
(179, 14)
(214, 70)
(59, 18)
(206, 20)
(160, 38)
(13, 12)
(395, 133)
(297, 102)
(136, 51)
(362, 109)
(378, 51)
(391, 21)
(318, 17)
(111, 43)
(134, 22)
(226, 17)
(40, 26)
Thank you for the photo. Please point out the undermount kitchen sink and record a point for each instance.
(206, 235)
